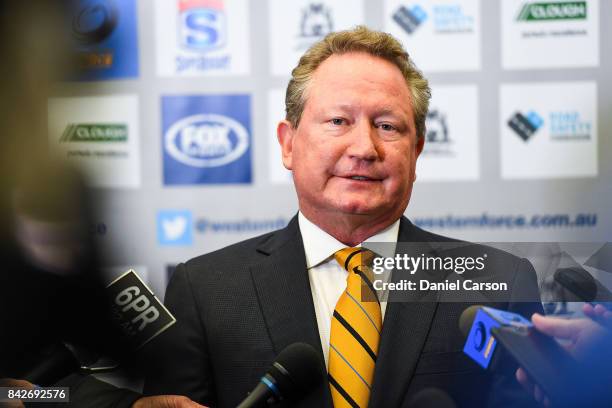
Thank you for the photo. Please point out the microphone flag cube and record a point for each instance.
(480, 343)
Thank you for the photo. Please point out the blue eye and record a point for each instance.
(337, 121)
(386, 127)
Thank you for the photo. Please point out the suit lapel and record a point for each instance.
(285, 298)
(405, 329)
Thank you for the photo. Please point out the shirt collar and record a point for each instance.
(319, 245)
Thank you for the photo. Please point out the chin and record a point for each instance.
(358, 208)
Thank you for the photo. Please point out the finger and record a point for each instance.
(11, 382)
(589, 310)
(538, 394)
(599, 313)
(569, 347)
(554, 327)
(524, 380)
(12, 404)
(600, 310)
(183, 402)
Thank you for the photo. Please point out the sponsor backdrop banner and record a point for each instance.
(105, 39)
(440, 35)
(174, 113)
(202, 37)
(206, 139)
(101, 134)
(542, 34)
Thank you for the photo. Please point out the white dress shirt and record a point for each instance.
(327, 277)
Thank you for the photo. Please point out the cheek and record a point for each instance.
(320, 157)
(403, 163)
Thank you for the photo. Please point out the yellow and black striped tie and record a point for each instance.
(355, 333)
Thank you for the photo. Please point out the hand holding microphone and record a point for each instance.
(499, 340)
(582, 337)
(599, 313)
(14, 383)
(166, 401)
(157, 401)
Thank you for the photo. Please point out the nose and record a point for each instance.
(363, 141)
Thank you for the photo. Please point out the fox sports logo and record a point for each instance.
(206, 140)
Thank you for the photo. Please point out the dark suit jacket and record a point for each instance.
(88, 391)
(238, 307)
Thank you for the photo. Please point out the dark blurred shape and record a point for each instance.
(591, 385)
(578, 281)
(430, 398)
(58, 363)
(51, 293)
(582, 285)
(51, 213)
(87, 391)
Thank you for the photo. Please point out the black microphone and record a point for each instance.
(297, 370)
(431, 397)
(134, 310)
(59, 361)
(583, 285)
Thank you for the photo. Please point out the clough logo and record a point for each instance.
(206, 140)
(553, 10)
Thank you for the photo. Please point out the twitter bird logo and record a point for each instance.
(174, 227)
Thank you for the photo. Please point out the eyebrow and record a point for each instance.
(344, 107)
(387, 110)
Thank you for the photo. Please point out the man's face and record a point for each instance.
(355, 148)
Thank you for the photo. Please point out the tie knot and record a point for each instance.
(351, 258)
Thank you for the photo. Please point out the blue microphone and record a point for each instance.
(481, 343)
(499, 340)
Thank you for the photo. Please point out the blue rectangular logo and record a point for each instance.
(410, 19)
(206, 139)
(202, 25)
(105, 39)
(174, 227)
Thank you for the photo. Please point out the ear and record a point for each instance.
(285, 133)
(418, 147)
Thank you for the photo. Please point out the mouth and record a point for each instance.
(362, 178)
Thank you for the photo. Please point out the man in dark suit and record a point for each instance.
(354, 128)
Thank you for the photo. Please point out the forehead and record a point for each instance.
(355, 78)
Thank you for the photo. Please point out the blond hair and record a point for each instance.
(360, 39)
